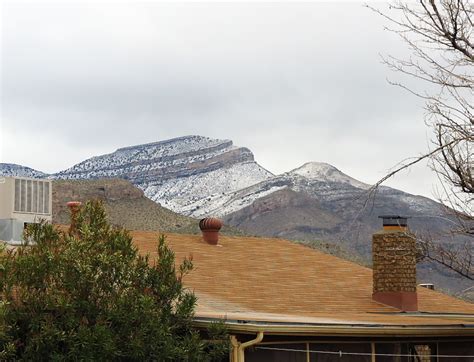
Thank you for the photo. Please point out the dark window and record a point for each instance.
(465, 348)
(276, 353)
(405, 352)
(341, 352)
(393, 352)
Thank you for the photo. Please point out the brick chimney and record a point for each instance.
(394, 264)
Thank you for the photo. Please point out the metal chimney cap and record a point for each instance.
(394, 220)
(427, 285)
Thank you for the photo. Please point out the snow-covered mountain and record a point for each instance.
(353, 208)
(322, 171)
(191, 175)
(11, 169)
(178, 157)
(199, 176)
(204, 193)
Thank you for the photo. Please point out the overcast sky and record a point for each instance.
(294, 82)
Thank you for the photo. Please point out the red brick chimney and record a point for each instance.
(210, 227)
(394, 264)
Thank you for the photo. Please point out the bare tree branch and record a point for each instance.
(439, 34)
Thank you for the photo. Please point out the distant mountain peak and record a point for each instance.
(169, 158)
(315, 169)
(12, 169)
(325, 172)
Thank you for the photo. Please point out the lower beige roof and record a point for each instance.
(274, 280)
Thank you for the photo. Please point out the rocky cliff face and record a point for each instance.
(159, 161)
(284, 213)
(189, 175)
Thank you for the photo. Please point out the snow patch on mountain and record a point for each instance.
(238, 200)
(325, 172)
(11, 169)
(174, 146)
(417, 204)
(149, 157)
(203, 194)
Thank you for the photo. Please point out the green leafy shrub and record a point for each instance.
(89, 295)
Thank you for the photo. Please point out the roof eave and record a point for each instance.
(375, 330)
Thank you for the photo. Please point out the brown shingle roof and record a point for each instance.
(277, 280)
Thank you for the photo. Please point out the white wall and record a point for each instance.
(31, 204)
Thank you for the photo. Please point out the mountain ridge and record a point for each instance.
(198, 176)
(207, 175)
(13, 169)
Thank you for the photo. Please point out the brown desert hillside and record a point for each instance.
(126, 205)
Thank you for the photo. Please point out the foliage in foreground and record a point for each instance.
(89, 295)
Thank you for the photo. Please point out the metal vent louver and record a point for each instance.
(32, 196)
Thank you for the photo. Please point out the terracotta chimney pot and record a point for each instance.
(74, 207)
(210, 227)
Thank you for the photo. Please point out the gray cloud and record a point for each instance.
(294, 82)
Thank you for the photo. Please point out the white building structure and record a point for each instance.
(23, 201)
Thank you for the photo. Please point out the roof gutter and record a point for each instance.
(341, 330)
